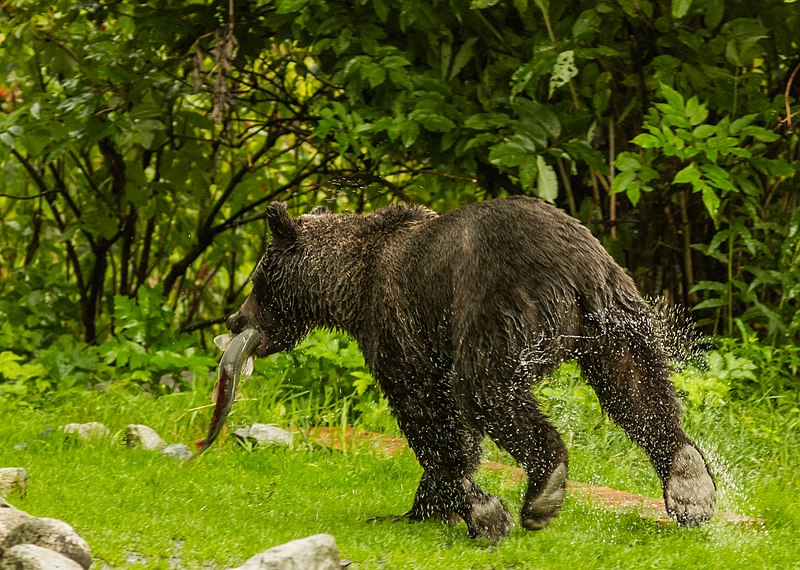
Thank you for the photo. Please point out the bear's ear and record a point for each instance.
(280, 224)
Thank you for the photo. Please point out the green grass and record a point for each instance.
(139, 509)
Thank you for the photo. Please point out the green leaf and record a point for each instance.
(628, 161)
(588, 22)
(528, 171)
(432, 121)
(696, 112)
(687, 175)
(710, 304)
(646, 140)
(547, 181)
(400, 76)
(714, 12)
(719, 177)
(481, 140)
(374, 73)
(709, 286)
(147, 130)
(622, 181)
(581, 151)
(760, 134)
(464, 54)
(486, 121)
(510, 153)
(710, 200)
(740, 123)
(538, 67)
(680, 8)
(564, 70)
(703, 131)
(773, 167)
(409, 133)
(537, 122)
(7, 139)
(672, 97)
(633, 192)
(290, 6)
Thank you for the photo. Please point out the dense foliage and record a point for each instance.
(140, 142)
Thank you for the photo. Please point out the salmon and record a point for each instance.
(236, 360)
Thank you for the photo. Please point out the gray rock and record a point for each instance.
(144, 437)
(13, 480)
(33, 557)
(90, 430)
(48, 533)
(177, 451)
(263, 434)
(172, 384)
(317, 552)
(10, 518)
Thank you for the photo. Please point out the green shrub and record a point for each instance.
(45, 355)
(734, 167)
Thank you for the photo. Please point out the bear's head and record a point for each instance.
(273, 305)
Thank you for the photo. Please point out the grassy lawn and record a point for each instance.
(139, 509)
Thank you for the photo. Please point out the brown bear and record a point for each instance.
(457, 314)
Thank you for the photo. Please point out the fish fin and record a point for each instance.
(215, 392)
(247, 369)
(223, 340)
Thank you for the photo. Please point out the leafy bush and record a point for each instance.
(148, 347)
(731, 165)
(755, 370)
(326, 375)
(45, 356)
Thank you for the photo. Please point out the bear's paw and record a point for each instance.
(489, 518)
(538, 512)
(690, 493)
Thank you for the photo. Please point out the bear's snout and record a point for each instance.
(244, 317)
(236, 323)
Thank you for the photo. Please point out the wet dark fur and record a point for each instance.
(457, 315)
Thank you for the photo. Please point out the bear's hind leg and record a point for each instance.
(633, 387)
(511, 417)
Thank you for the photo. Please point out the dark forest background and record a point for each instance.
(141, 142)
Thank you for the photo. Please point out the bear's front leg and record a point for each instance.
(429, 504)
(485, 514)
(449, 452)
(454, 501)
